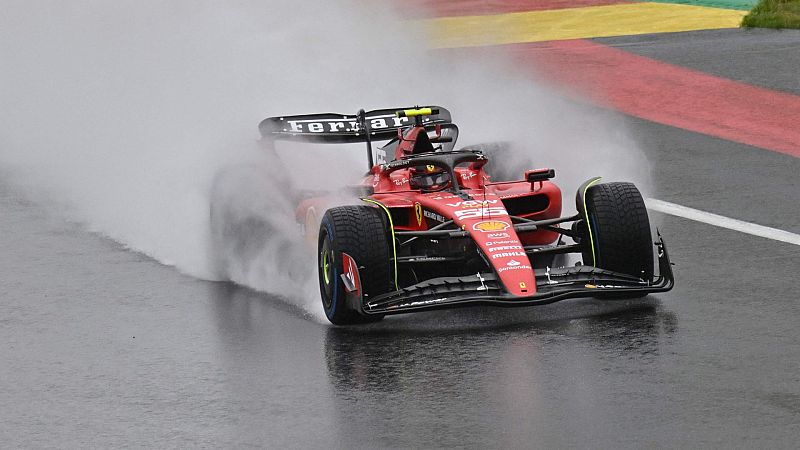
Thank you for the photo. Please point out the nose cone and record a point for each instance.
(487, 221)
(499, 242)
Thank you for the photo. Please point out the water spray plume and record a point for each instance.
(128, 114)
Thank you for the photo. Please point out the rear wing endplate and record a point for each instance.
(343, 128)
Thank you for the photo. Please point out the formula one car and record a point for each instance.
(432, 229)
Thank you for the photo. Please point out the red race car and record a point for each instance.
(433, 231)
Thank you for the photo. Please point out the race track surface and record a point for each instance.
(102, 347)
(758, 57)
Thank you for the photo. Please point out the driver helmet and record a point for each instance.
(429, 178)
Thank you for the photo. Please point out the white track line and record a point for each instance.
(722, 221)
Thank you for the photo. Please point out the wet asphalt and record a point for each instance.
(103, 347)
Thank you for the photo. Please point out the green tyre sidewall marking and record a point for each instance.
(391, 228)
(588, 223)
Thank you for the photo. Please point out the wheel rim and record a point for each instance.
(325, 274)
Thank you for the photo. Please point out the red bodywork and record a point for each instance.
(485, 216)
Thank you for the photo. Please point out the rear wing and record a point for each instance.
(341, 128)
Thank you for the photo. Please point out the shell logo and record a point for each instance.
(488, 226)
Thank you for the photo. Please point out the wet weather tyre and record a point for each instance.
(620, 238)
(362, 233)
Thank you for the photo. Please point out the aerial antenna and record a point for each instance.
(483, 205)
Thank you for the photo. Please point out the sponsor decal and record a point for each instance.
(479, 212)
(375, 180)
(513, 262)
(418, 212)
(522, 285)
(393, 164)
(443, 197)
(505, 247)
(344, 125)
(418, 303)
(522, 267)
(492, 243)
(434, 216)
(472, 203)
(498, 236)
(401, 181)
(467, 176)
(507, 255)
(488, 226)
(352, 283)
(429, 259)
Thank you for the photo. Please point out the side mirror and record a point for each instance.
(538, 175)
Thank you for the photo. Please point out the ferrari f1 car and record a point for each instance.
(432, 230)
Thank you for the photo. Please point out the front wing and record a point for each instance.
(552, 285)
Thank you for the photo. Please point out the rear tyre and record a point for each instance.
(619, 230)
(362, 233)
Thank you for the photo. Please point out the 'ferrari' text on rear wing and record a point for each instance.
(342, 128)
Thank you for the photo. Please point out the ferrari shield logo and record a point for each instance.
(418, 211)
(430, 167)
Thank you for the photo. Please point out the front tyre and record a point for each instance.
(360, 232)
(619, 236)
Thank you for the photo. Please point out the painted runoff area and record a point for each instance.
(669, 94)
(722, 221)
(456, 8)
(635, 85)
(577, 23)
(728, 4)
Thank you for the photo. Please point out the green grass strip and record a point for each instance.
(774, 14)
(725, 4)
